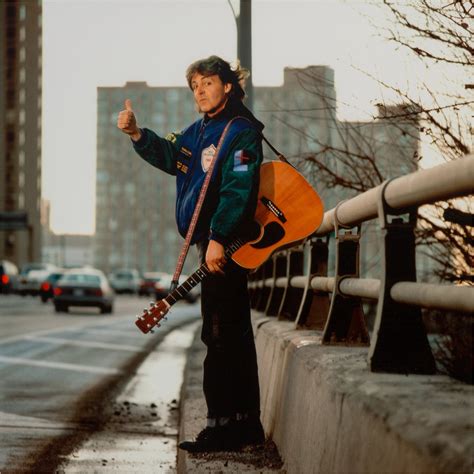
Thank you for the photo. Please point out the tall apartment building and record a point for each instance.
(135, 203)
(20, 128)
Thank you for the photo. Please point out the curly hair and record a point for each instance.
(214, 65)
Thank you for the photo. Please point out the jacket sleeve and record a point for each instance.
(239, 185)
(159, 152)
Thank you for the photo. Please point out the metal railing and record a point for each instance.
(293, 284)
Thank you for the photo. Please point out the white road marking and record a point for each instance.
(58, 365)
(16, 421)
(81, 343)
(72, 328)
(130, 332)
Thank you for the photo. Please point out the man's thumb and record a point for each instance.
(128, 105)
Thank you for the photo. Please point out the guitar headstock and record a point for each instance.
(152, 316)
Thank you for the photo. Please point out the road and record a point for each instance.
(59, 371)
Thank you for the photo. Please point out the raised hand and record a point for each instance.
(127, 121)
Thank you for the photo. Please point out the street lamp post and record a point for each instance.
(244, 43)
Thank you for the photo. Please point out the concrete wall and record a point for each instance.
(328, 413)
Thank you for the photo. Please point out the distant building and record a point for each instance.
(20, 128)
(135, 204)
(64, 250)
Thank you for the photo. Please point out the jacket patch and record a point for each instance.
(206, 157)
(241, 160)
(185, 151)
(182, 167)
(172, 137)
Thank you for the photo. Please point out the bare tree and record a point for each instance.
(434, 117)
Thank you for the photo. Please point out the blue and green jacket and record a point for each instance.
(231, 198)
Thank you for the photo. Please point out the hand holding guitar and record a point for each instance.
(215, 257)
(127, 122)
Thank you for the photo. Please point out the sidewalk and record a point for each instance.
(263, 459)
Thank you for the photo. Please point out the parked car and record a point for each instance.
(31, 276)
(8, 276)
(148, 282)
(83, 287)
(126, 280)
(162, 288)
(47, 286)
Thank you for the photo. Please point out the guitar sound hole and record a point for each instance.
(273, 232)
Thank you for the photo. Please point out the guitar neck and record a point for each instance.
(199, 275)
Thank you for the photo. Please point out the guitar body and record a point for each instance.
(288, 210)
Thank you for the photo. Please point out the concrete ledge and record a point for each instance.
(327, 412)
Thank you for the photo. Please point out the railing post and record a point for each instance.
(267, 272)
(399, 343)
(291, 298)
(257, 276)
(346, 322)
(314, 307)
(276, 295)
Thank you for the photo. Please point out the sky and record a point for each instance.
(93, 43)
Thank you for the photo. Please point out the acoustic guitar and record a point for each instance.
(288, 210)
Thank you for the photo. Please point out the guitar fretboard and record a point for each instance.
(199, 275)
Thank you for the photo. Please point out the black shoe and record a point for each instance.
(219, 438)
(252, 431)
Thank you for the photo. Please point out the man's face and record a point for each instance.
(210, 93)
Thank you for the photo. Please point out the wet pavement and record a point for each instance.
(141, 434)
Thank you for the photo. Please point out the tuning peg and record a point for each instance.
(165, 318)
(151, 331)
(162, 313)
(148, 325)
(152, 303)
(155, 319)
(138, 317)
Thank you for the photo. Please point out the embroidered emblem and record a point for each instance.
(241, 160)
(206, 157)
(185, 151)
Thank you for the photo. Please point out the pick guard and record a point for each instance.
(273, 232)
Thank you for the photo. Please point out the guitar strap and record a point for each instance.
(202, 195)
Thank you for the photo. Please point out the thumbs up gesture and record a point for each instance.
(127, 121)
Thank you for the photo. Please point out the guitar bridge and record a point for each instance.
(272, 207)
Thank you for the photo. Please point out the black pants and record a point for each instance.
(230, 368)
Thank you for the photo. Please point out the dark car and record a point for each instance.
(47, 286)
(83, 287)
(8, 276)
(148, 282)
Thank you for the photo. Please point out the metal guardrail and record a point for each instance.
(313, 300)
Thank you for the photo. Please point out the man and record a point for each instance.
(230, 380)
